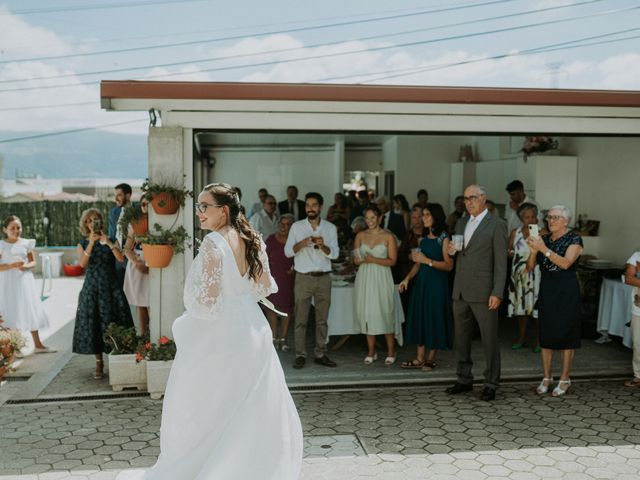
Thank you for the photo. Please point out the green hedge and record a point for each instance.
(64, 219)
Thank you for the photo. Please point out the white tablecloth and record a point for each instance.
(614, 311)
(342, 318)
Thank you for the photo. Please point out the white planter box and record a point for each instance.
(157, 376)
(124, 372)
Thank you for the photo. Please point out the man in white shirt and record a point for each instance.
(312, 243)
(518, 197)
(266, 220)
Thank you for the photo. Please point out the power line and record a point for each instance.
(413, 70)
(66, 132)
(262, 34)
(97, 6)
(532, 51)
(292, 49)
(351, 52)
(38, 107)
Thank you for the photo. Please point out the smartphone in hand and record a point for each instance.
(534, 231)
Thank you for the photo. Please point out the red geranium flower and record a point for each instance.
(164, 340)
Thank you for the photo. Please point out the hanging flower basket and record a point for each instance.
(141, 226)
(157, 256)
(164, 204)
(165, 196)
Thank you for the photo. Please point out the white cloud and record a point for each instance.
(22, 40)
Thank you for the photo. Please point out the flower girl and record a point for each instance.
(20, 303)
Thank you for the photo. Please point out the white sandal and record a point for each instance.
(390, 360)
(542, 388)
(369, 360)
(558, 392)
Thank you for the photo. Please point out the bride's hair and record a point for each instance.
(225, 194)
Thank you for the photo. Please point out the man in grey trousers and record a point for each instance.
(481, 271)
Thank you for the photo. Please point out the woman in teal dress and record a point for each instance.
(376, 252)
(429, 315)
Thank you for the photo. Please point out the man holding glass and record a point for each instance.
(480, 244)
(312, 243)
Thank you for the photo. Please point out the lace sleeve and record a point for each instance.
(202, 288)
(264, 285)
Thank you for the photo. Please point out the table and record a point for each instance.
(342, 317)
(614, 310)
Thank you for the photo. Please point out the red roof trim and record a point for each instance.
(110, 89)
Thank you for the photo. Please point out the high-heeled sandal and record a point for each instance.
(542, 388)
(558, 392)
(390, 360)
(368, 360)
(99, 374)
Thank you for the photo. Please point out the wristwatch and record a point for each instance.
(547, 254)
(430, 263)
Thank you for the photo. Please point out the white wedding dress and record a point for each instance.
(227, 412)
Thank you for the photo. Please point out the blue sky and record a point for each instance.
(262, 31)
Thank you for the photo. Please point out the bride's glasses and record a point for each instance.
(202, 207)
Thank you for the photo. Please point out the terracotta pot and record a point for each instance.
(157, 256)
(141, 226)
(164, 204)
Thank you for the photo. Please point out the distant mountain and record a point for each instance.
(92, 154)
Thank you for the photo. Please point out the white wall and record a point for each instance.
(309, 170)
(609, 190)
(424, 162)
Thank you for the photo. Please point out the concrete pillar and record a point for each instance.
(166, 164)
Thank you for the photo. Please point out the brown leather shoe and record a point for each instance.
(300, 361)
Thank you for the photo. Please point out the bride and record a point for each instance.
(227, 412)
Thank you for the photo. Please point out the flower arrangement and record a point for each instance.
(538, 144)
(163, 351)
(11, 341)
(121, 340)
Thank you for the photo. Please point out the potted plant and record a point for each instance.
(11, 341)
(159, 358)
(132, 215)
(160, 246)
(165, 197)
(124, 370)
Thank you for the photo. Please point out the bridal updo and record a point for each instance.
(225, 194)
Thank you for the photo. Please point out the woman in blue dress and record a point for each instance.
(101, 301)
(429, 315)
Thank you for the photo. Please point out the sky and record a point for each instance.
(54, 53)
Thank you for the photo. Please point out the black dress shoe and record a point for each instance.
(459, 388)
(488, 394)
(324, 360)
(299, 362)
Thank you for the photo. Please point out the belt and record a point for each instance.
(314, 274)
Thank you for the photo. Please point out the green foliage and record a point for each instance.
(122, 340)
(178, 238)
(180, 194)
(64, 218)
(132, 213)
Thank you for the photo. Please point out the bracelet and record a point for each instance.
(86, 254)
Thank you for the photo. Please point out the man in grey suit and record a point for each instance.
(481, 270)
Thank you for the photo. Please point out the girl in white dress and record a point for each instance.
(136, 276)
(227, 411)
(20, 303)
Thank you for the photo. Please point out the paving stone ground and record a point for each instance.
(417, 432)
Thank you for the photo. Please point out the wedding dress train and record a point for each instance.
(227, 412)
